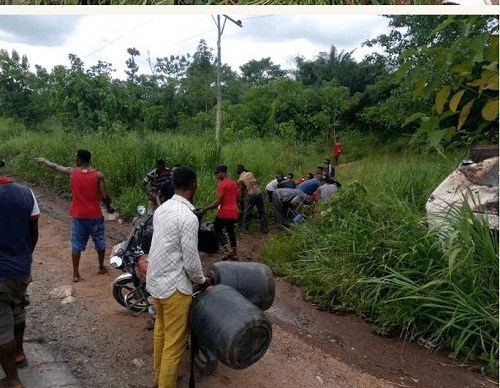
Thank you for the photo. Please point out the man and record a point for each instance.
(88, 189)
(288, 199)
(18, 238)
(152, 183)
(286, 182)
(337, 150)
(251, 196)
(328, 169)
(326, 190)
(227, 201)
(167, 189)
(174, 264)
(273, 185)
(311, 185)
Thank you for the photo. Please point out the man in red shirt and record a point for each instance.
(337, 150)
(88, 189)
(227, 198)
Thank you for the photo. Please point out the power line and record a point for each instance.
(172, 44)
(117, 39)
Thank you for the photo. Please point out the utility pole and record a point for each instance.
(220, 30)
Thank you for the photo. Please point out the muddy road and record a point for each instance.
(106, 347)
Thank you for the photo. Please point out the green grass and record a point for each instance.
(366, 252)
(125, 158)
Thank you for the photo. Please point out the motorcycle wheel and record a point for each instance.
(122, 294)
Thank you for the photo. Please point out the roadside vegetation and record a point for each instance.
(406, 119)
(367, 252)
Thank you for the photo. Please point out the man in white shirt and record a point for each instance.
(327, 189)
(174, 264)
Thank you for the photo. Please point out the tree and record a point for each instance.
(385, 105)
(132, 66)
(465, 109)
(410, 31)
(19, 97)
(198, 87)
(260, 72)
(335, 100)
(173, 69)
(341, 68)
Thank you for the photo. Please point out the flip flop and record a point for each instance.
(21, 360)
(76, 279)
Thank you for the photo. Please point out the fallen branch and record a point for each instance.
(399, 385)
(452, 365)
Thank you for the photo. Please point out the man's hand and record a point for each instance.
(208, 283)
(203, 286)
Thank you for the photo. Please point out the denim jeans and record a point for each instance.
(250, 202)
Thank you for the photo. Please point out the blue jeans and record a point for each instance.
(82, 229)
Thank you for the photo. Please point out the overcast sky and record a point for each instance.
(48, 39)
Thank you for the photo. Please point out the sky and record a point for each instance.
(48, 39)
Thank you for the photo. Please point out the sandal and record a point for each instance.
(21, 360)
(229, 255)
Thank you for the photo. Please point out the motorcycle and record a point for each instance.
(130, 256)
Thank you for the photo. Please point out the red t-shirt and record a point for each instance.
(337, 149)
(228, 189)
(85, 203)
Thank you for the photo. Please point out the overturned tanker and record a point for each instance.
(473, 184)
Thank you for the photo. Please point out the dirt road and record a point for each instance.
(106, 347)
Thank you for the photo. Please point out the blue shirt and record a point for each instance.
(17, 207)
(309, 186)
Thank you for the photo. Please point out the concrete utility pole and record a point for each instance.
(220, 30)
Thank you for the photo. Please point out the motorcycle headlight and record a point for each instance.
(116, 262)
(115, 249)
(141, 210)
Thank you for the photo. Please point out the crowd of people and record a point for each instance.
(174, 261)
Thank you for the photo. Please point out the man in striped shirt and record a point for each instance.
(153, 182)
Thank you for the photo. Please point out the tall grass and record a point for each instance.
(125, 158)
(365, 251)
